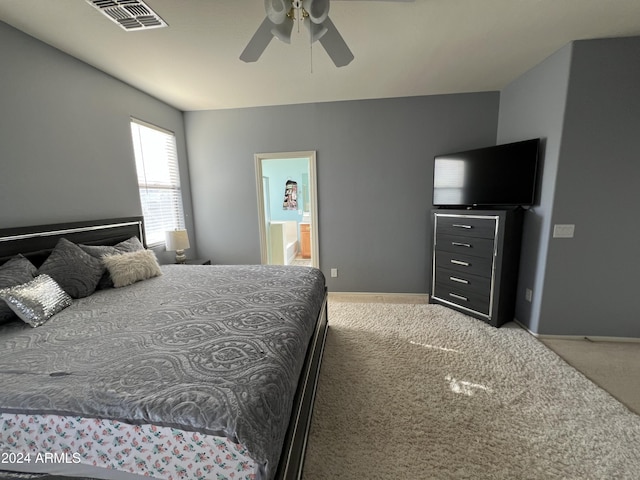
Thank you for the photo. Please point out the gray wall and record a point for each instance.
(374, 163)
(65, 139)
(534, 106)
(586, 285)
(591, 285)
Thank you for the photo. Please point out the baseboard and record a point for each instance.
(379, 297)
(591, 338)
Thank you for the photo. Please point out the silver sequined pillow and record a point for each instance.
(36, 301)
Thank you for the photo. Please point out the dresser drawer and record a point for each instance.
(466, 226)
(464, 263)
(477, 247)
(473, 301)
(464, 282)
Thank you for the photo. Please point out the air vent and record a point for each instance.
(129, 14)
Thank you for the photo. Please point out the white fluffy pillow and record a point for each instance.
(128, 268)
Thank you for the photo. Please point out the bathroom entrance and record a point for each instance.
(287, 208)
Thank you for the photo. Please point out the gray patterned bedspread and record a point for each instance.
(213, 349)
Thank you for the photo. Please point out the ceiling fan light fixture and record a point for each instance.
(283, 31)
(318, 10)
(276, 10)
(279, 23)
(316, 31)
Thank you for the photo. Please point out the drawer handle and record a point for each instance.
(460, 262)
(458, 297)
(459, 225)
(459, 280)
(458, 244)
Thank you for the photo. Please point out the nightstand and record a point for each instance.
(197, 261)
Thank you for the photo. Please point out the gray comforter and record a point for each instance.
(215, 349)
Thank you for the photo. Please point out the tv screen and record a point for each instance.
(503, 175)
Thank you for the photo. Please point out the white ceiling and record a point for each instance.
(401, 49)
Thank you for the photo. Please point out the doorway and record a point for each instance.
(287, 208)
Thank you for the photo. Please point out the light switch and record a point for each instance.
(563, 231)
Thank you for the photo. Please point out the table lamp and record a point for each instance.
(177, 240)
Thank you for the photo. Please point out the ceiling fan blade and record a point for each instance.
(258, 42)
(335, 45)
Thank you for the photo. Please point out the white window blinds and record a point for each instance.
(158, 179)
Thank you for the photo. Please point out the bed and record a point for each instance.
(178, 372)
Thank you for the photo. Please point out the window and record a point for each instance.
(158, 179)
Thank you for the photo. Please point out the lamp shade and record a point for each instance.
(283, 31)
(176, 240)
(318, 10)
(276, 10)
(316, 30)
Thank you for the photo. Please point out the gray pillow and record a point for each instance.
(132, 244)
(129, 268)
(36, 301)
(15, 271)
(77, 272)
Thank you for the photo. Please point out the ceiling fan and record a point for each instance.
(281, 16)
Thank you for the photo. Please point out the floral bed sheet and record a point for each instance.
(148, 450)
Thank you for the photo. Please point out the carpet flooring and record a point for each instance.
(614, 366)
(423, 392)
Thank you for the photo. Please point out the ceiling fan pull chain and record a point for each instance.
(310, 51)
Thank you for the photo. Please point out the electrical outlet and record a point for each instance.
(334, 272)
(528, 294)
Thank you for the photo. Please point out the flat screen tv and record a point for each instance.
(503, 175)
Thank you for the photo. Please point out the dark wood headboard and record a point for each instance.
(36, 242)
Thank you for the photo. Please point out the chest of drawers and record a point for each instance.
(476, 254)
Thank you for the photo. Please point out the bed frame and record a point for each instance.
(36, 243)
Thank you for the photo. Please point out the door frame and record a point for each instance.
(313, 199)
